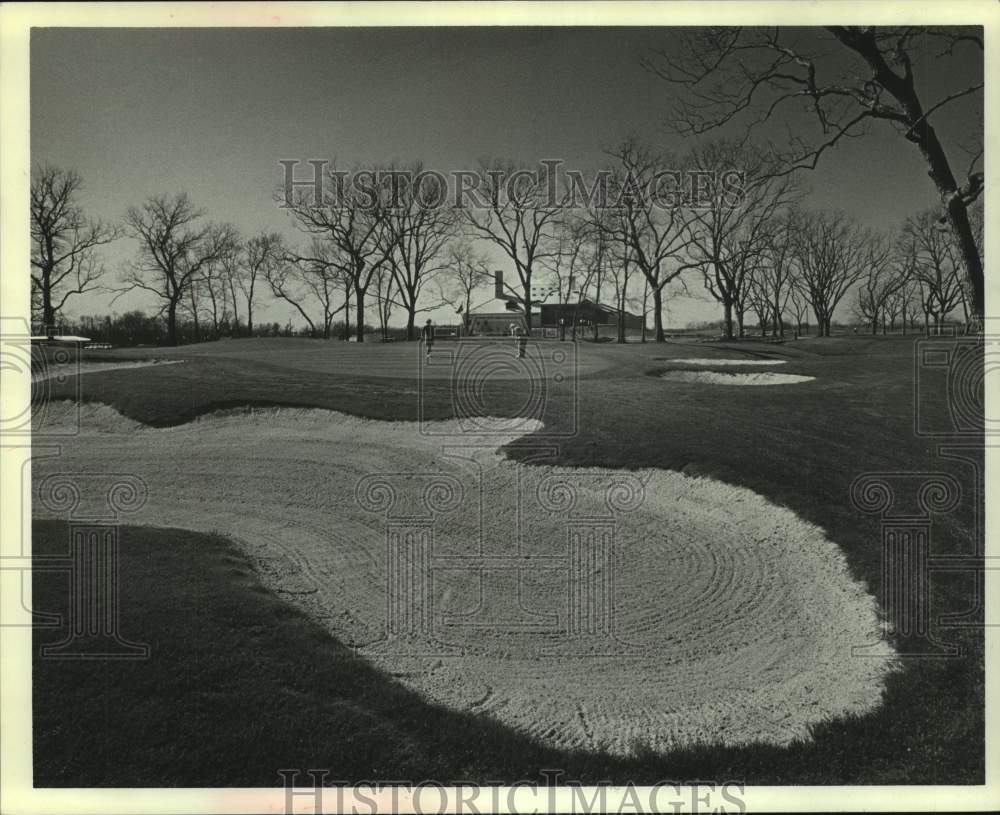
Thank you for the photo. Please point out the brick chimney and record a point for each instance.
(498, 285)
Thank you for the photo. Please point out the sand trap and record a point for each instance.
(717, 378)
(725, 362)
(57, 371)
(732, 619)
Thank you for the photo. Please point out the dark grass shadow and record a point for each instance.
(239, 684)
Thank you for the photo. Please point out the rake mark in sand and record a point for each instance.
(733, 619)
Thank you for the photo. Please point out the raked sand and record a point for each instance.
(708, 361)
(591, 608)
(725, 378)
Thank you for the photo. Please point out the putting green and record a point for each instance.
(485, 358)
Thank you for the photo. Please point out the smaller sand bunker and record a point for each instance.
(720, 378)
(728, 362)
(62, 371)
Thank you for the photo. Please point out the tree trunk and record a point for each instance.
(411, 322)
(234, 329)
(48, 312)
(657, 314)
(347, 313)
(727, 310)
(958, 217)
(527, 306)
(819, 322)
(645, 308)
(923, 135)
(956, 209)
(194, 315)
(172, 323)
(359, 300)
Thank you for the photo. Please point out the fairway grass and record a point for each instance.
(800, 448)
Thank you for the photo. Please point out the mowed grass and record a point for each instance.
(239, 684)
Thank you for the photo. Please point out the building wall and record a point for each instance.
(586, 313)
(495, 324)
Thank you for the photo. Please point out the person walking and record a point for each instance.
(520, 340)
(427, 336)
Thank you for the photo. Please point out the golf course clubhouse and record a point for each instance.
(586, 312)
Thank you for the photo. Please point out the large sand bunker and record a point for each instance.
(590, 608)
(718, 378)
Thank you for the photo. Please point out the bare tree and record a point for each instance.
(519, 217)
(173, 251)
(757, 74)
(742, 197)
(895, 309)
(936, 265)
(759, 298)
(594, 271)
(384, 286)
(568, 258)
(466, 272)
(257, 258)
(63, 261)
(605, 248)
(353, 219)
(214, 284)
(913, 304)
(419, 230)
(314, 279)
(798, 305)
(887, 273)
(653, 222)
(775, 280)
(832, 254)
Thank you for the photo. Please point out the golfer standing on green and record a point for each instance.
(427, 335)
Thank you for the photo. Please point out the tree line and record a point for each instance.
(764, 255)
(761, 254)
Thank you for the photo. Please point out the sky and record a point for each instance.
(210, 112)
